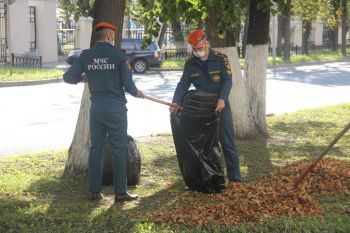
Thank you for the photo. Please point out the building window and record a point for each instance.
(32, 23)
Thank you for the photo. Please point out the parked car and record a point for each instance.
(141, 59)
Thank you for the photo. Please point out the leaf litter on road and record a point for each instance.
(270, 197)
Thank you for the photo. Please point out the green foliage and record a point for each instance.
(307, 9)
(77, 7)
(329, 11)
(195, 12)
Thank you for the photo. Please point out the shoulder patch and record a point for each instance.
(227, 65)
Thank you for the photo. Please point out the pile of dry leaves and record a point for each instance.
(269, 197)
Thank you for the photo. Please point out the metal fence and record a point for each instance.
(139, 34)
(312, 48)
(26, 60)
(174, 54)
(67, 40)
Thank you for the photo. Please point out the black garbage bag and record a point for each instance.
(195, 134)
(133, 161)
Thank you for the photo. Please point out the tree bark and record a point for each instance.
(286, 47)
(238, 95)
(146, 20)
(344, 26)
(111, 11)
(162, 34)
(177, 35)
(305, 36)
(245, 33)
(333, 37)
(255, 68)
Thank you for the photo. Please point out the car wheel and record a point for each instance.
(139, 66)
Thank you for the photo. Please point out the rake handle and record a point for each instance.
(299, 180)
(159, 101)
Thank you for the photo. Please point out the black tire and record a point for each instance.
(133, 161)
(140, 65)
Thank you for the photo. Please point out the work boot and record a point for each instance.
(96, 196)
(125, 197)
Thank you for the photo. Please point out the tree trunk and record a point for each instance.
(177, 35)
(245, 32)
(111, 11)
(255, 68)
(305, 36)
(286, 47)
(238, 96)
(236, 36)
(146, 20)
(66, 19)
(344, 27)
(333, 37)
(280, 35)
(162, 34)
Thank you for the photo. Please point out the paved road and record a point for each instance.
(43, 117)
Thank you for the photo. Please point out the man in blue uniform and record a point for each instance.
(107, 73)
(210, 71)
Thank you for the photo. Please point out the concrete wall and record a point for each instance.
(46, 34)
(19, 27)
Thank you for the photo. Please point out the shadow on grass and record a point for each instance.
(304, 127)
(306, 139)
(60, 204)
(255, 159)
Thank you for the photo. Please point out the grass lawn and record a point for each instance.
(35, 197)
(295, 59)
(21, 74)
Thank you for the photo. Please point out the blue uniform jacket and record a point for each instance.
(217, 78)
(107, 71)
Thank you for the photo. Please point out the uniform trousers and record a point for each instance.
(108, 117)
(226, 138)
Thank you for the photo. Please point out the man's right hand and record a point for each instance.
(139, 94)
(174, 107)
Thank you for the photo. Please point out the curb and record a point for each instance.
(30, 82)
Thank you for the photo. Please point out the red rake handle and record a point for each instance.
(299, 180)
(159, 101)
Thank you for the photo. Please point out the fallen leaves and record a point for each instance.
(269, 197)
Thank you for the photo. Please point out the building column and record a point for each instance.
(84, 32)
(18, 27)
(318, 33)
(298, 32)
(46, 33)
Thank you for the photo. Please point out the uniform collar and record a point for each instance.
(211, 56)
(103, 43)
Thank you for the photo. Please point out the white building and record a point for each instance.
(28, 26)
